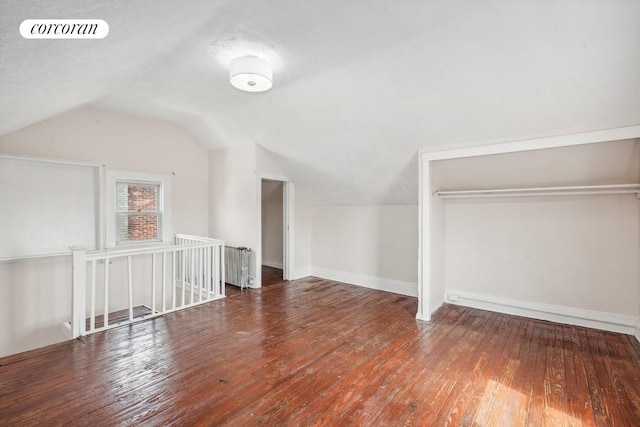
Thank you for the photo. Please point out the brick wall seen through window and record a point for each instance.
(138, 214)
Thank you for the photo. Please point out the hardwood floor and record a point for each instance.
(317, 352)
(270, 276)
(119, 316)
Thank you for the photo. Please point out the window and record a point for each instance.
(137, 210)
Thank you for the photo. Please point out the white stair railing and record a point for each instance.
(120, 286)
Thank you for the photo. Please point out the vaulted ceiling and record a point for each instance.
(359, 86)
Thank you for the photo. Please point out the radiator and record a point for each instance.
(236, 265)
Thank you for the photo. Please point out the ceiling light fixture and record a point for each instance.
(250, 74)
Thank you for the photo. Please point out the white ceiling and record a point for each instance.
(359, 86)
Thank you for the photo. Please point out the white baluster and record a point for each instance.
(173, 278)
(222, 271)
(130, 286)
(200, 271)
(183, 274)
(105, 322)
(92, 321)
(164, 282)
(153, 283)
(192, 267)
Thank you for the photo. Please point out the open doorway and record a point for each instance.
(276, 200)
(272, 232)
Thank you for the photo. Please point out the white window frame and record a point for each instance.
(164, 182)
(128, 214)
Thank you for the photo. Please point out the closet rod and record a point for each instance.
(556, 193)
(544, 191)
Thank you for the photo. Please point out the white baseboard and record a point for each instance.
(272, 264)
(300, 273)
(638, 332)
(372, 282)
(555, 313)
(66, 330)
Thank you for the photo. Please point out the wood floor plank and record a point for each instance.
(576, 378)
(596, 393)
(496, 397)
(475, 400)
(438, 388)
(523, 380)
(554, 382)
(318, 352)
(405, 392)
(620, 384)
(635, 344)
(355, 398)
(275, 367)
(624, 360)
(271, 276)
(319, 375)
(508, 399)
(536, 411)
(471, 377)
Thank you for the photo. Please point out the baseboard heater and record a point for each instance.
(236, 265)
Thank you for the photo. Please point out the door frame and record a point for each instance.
(431, 293)
(287, 227)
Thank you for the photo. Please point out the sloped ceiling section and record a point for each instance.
(359, 86)
(605, 163)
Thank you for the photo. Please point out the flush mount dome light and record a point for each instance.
(250, 74)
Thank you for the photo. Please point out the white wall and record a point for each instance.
(127, 143)
(374, 246)
(437, 266)
(35, 299)
(234, 211)
(233, 208)
(268, 165)
(35, 296)
(66, 193)
(302, 239)
(272, 223)
(577, 252)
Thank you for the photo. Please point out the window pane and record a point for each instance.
(136, 197)
(137, 226)
(143, 197)
(122, 197)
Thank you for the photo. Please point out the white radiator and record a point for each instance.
(236, 262)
